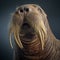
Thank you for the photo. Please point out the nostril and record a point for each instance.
(21, 10)
(26, 9)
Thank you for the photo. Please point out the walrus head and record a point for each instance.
(27, 22)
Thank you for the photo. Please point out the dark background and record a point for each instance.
(51, 7)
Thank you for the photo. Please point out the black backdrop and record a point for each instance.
(51, 7)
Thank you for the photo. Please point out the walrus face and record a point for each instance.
(27, 23)
(27, 31)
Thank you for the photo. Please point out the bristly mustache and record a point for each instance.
(36, 21)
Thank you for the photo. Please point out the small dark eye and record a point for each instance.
(40, 10)
(16, 12)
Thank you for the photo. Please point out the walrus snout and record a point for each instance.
(23, 9)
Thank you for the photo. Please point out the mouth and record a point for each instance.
(27, 32)
(25, 26)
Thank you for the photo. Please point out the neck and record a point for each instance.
(49, 50)
(34, 51)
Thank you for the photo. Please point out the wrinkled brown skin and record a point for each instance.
(51, 49)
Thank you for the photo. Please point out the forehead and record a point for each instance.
(28, 5)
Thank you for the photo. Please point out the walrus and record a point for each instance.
(33, 37)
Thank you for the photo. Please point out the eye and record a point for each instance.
(16, 12)
(39, 10)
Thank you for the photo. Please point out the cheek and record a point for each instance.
(17, 19)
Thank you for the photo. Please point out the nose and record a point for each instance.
(25, 9)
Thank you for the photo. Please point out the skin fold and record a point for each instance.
(33, 37)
